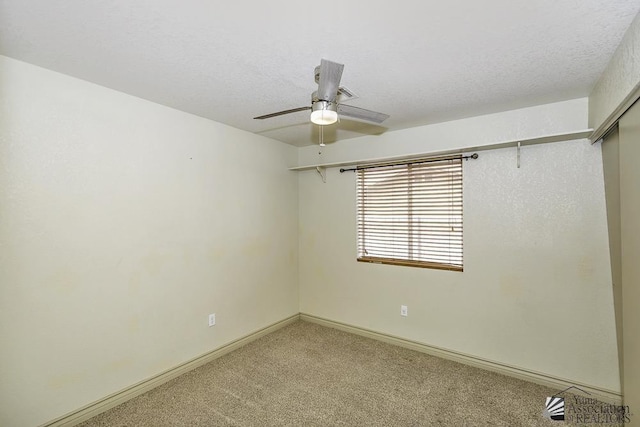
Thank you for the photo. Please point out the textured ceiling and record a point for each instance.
(419, 61)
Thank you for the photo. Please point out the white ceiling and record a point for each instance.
(419, 61)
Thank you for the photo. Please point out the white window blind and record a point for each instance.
(411, 214)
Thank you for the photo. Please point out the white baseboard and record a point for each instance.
(604, 395)
(122, 396)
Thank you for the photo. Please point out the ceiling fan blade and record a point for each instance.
(330, 75)
(361, 113)
(281, 113)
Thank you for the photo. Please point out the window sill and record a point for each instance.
(406, 263)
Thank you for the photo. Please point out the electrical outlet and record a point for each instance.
(404, 311)
(212, 319)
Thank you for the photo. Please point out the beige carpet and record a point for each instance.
(310, 375)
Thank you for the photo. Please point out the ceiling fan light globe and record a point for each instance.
(324, 117)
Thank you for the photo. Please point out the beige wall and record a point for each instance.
(536, 288)
(123, 224)
(620, 78)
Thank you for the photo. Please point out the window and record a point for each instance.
(411, 214)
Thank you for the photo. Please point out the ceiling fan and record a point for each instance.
(325, 106)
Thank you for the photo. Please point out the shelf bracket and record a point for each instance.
(322, 171)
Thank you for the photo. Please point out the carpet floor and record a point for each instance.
(309, 375)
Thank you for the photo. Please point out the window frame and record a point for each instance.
(423, 194)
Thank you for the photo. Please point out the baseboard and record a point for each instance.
(122, 396)
(601, 394)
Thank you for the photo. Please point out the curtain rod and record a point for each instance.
(411, 162)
